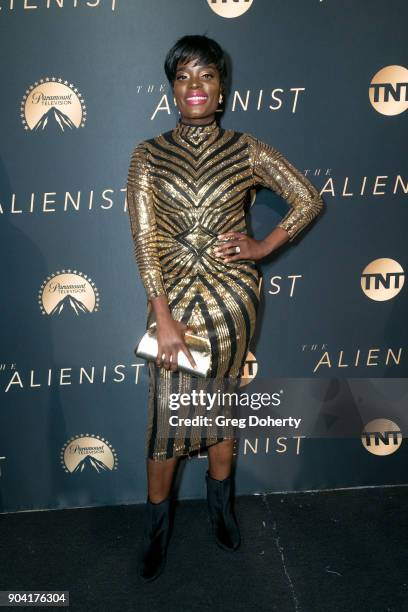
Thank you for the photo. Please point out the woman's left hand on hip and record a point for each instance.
(249, 247)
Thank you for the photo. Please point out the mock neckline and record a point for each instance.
(196, 132)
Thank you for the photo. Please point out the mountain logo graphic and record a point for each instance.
(52, 105)
(88, 453)
(54, 115)
(68, 292)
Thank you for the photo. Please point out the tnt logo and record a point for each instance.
(388, 90)
(382, 279)
(229, 8)
(381, 437)
(250, 369)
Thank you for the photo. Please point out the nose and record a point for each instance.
(195, 82)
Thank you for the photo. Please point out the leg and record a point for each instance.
(160, 477)
(220, 495)
(220, 457)
(157, 530)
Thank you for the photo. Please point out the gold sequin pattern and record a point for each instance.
(185, 187)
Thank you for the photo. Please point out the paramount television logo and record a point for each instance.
(68, 292)
(52, 104)
(88, 453)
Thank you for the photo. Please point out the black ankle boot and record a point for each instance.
(224, 523)
(155, 539)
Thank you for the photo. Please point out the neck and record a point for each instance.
(187, 121)
(197, 133)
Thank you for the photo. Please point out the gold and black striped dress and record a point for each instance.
(185, 187)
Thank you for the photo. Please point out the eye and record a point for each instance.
(207, 76)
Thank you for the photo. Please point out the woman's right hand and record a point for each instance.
(170, 340)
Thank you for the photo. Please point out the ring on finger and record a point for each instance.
(169, 363)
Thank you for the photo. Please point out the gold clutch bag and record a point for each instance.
(199, 347)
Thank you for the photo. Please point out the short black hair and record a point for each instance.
(195, 46)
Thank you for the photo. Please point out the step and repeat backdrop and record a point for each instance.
(83, 83)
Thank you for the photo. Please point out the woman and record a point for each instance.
(186, 191)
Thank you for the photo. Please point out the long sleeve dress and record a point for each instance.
(185, 187)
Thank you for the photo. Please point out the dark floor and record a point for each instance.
(335, 550)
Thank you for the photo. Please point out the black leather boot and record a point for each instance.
(224, 523)
(155, 539)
